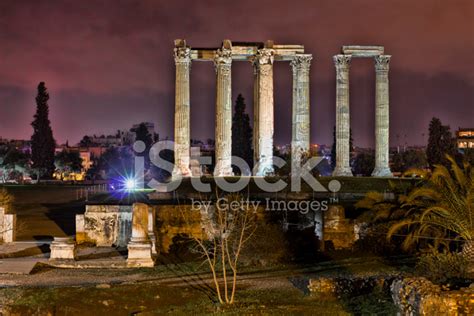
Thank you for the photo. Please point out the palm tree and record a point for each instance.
(443, 208)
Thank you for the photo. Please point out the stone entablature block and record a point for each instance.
(362, 51)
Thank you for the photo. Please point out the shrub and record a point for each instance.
(443, 267)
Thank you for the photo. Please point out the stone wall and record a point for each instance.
(176, 220)
(418, 296)
(111, 225)
(105, 225)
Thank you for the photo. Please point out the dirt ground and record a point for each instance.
(181, 289)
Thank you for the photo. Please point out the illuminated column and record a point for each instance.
(255, 139)
(182, 58)
(343, 168)
(300, 142)
(223, 64)
(382, 168)
(263, 144)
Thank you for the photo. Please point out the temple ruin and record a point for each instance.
(262, 56)
(343, 125)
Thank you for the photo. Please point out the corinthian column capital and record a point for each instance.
(182, 55)
(223, 56)
(265, 56)
(223, 60)
(382, 62)
(342, 62)
(301, 63)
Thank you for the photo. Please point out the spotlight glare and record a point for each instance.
(130, 184)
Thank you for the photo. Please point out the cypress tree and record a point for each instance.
(42, 141)
(241, 132)
(440, 143)
(143, 134)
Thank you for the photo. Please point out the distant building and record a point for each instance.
(126, 137)
(87, 154)
(19, 144)
(107, 141)
(95, 151)
(465, 138)
(121, 138)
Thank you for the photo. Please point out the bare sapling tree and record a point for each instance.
(225, 229)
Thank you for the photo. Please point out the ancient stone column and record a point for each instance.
(300, 130)
(382, 168)
(223, 63)
(255, 138)
(342, 63)
(263, 131)
(182, 58)
(140, 247)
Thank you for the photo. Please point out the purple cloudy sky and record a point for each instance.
(108, 64)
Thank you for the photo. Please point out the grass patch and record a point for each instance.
(160, 299)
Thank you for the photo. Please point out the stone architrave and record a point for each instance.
(300, 131)
(182, 58)
(342, 63)
(382, 168)
(223, 66)
(140, 247)
(63, 248)
(263, 137)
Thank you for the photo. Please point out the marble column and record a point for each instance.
(182, 58)
(382, 168)
(140, 247)
(263, 137)
(255, 137)
(343, 168)
(223, 65)
(300, 130)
